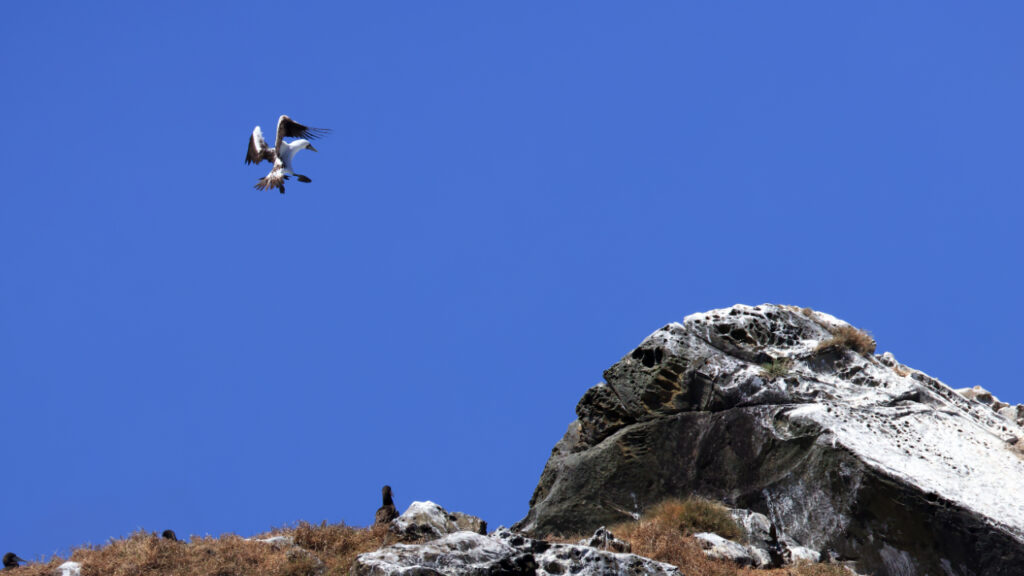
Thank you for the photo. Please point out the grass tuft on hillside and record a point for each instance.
(850, 338)
(335, 546)
(664, 533)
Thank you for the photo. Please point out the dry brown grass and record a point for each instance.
(664, 534)
(693, 515)
(37, 569)
(338, 545)
(662, 542)
(659, 535)
(850, 338)
(334, 546)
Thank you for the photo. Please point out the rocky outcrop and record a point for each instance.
(1010, 412)
(426, 520)
(605, 540)
(503, 553)
(775, 409)
(722, 549)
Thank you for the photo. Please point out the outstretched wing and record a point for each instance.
(286, 127)
(258, 149)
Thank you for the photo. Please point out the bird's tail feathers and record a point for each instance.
(273, 180)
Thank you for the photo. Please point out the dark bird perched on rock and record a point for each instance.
(11, 560)
(387, 512)
(169, 535)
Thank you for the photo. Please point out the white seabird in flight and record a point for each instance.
(282, 154)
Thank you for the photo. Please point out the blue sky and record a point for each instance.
(513, 196)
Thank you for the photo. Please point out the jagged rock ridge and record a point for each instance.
(503, 553)
(454, 550)
(853, 455)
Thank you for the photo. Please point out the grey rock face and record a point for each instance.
(756, 527)
(503, 553)
(717, 547)
(429, 520)
(1014, 414)
(856, 457)
(605, 540)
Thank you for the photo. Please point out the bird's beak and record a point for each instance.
(310, 147)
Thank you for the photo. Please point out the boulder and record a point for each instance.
(427, 520)
(605, 540)
(786, 412)
(757, 528)
(800, 554)
(760, 538)
(715, 546)
(1014, 414)
(504, 553)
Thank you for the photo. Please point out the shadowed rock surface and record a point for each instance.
(855, 456)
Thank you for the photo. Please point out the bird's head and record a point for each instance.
(11, 560)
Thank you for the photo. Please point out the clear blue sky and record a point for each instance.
(513, 197)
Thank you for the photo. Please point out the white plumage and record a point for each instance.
(282, 155)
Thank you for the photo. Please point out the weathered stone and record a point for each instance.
(800, 554)
(757, 533)
(429, 520)
(715, 546)
(859, 456)
(454, 554)
(1014, 414)
(605, 540)
(503, 553)
(756, 527)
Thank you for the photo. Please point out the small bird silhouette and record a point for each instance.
(169, 535)
(11, 560)
(387, 512)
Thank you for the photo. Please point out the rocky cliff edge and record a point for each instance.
(788, 412)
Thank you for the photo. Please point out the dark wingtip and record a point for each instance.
(314, 133)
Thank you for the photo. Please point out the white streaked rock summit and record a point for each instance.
(788, 412)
